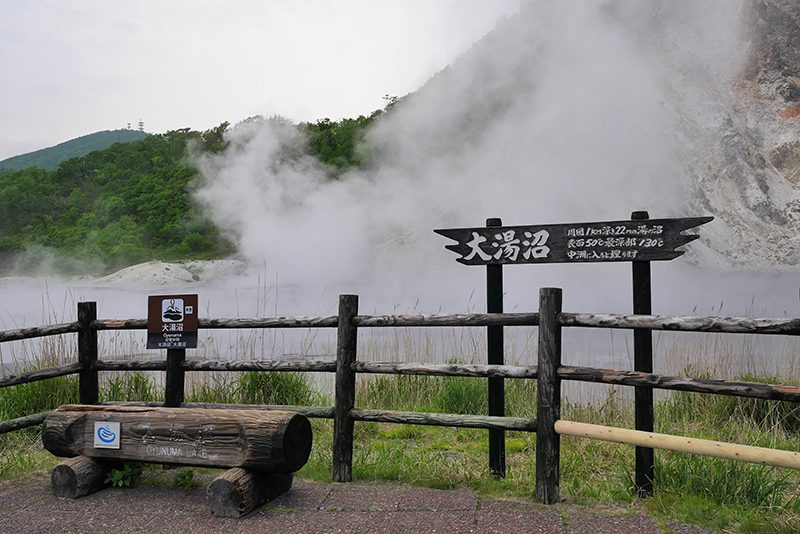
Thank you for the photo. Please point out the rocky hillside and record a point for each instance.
(750, 176)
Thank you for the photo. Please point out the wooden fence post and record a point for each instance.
(345, 389)
(548, 397)
(494, 353)
(174, 383)
(87, 353)
(643, 361)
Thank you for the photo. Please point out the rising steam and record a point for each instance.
(567, 111)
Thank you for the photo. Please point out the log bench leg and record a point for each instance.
(239, 491)
(78, 476)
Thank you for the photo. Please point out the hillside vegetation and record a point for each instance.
(132, 202)
(50, 158)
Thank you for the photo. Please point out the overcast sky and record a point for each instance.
(72, 68)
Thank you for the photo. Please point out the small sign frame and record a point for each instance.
(106, 435)
(172, 322)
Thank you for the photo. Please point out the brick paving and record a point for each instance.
(153, 506)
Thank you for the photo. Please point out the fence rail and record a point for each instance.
(753, 390)
(39, 331)
(446, 369)
(730, 325)
(41, 374)
(549, 372)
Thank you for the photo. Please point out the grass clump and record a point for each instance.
(276, 388)
(21, 451)
(34, 397)
(444, 395)
(134, 386)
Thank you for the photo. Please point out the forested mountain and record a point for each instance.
(50, 158)
(132, 202)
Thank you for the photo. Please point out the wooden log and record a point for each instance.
(39, 331)
(753, 390)
(445, 419)
(41, 374)
(345, 389)
(271, 322)
(239, 491)
(87, 353)
(494, 356)
(23, 422)
(463, 319)
(78, 476)
(139, 404)
(318, 412)
(324, 366)
(718, 449)
(548, 397)
(263, 441)
(644, 470)
(174, 383)
(131, 365)
(732, 325)
(446, 369)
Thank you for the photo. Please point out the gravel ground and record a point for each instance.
(309, 508)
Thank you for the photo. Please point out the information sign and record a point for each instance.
(172, 322)
(634, 240)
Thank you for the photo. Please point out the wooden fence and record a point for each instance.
(549, 373)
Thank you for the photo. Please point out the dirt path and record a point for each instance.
(310, 507)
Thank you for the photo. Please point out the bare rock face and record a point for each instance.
(748, 158)
(775, 60)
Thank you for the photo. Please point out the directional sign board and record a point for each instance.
(634, 240)
(172, 322)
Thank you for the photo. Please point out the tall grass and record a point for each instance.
(444, 394)
(43, 395)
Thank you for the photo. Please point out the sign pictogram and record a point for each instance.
(106, 435)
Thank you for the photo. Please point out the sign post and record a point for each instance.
(643, 361)
(172, 325)
(639, 241)
(494, 353)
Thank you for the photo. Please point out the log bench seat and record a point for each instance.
(261, 449)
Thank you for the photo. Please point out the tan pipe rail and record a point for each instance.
(705, 447)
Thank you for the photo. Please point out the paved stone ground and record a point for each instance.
(309, 508)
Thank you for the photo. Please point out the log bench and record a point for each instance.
(261, 449)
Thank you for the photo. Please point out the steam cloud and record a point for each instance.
(567, 111)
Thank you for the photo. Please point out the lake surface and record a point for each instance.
(26, 302)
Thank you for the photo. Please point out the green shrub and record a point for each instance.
(124, 477)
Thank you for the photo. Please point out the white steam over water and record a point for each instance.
(568, 111)
(564, 113)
